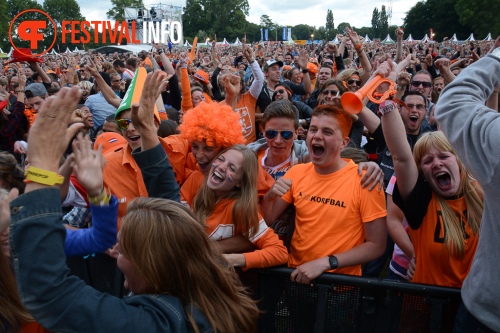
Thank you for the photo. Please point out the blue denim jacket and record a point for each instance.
(66, 304)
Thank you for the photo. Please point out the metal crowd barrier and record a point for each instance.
(335, 303)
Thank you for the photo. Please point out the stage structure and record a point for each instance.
(154, 20)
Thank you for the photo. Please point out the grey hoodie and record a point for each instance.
(474, 132)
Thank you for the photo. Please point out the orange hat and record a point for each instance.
(313, 68)
(202, 76)
(50, 71)
(286, 68)
(21, 55)
(110, 142)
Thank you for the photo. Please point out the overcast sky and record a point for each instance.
(292, 12)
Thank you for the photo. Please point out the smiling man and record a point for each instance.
(338, 224)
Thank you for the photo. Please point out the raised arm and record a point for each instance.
(472, 128)
(363, 59)
(106, 90)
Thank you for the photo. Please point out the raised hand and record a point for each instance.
(87, 165)
(279, 188)
(49, 136)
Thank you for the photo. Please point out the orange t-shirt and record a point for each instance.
(246, 108)
(330, 213)
(123, 176)
(147, 63)
(435, 264)
(271, 251)
(193, 183)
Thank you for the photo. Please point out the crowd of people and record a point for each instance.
(183, 164)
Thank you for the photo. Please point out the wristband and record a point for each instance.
(358, 47)
(100, 200)
(386, 107)
(304, 71)
(40, 176)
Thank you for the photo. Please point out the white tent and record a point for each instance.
(454, 39)
(11, 50)
(53, 51)
(186, 44)
(236, 42)
(409, 39)
(67, 50)
(426, 39)
(471, 38)
(223, 43)
(76, 50)
(367, 39)
(1, 50)
(336, 40)
(488, 38)
(388, 40)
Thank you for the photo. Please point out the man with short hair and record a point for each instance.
(131, 64)
(146, 62)
(422, 82)
(36, 95)
(273, 76)
(115, 83)
(124, 72)
(338, 224)
(289, 59)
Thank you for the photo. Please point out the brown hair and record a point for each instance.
(281, 109)
(171, 251)
(245, 210)
(10, 173)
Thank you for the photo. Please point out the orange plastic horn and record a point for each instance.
(353, 102)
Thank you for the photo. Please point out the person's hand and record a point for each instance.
(428, 60)
(279, 188)
(353, 36)
(387, 70)
(19, 148)
(236, 259)
(332, 48)
(307, 272)
(248, 52)
(143, 112)
(49, 135)
(91, 68)
(231, 84)
(373, 175)
(5, 209)
(303, 59)
(442, 64)
(473, 57)
(412, 265)
(22, 81)
(497, 44)
(399, 33)
(183, 59)
(87, 165)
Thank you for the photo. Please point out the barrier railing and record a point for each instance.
(334, 303)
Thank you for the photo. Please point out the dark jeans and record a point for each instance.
(465, 322)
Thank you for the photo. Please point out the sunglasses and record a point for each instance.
(418, 83)
(327, 63)
(357, 82)
(281, 91)
(123, 123)
(286, 135)
(334, 93)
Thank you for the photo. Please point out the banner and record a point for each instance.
(284, 34)
(289, 33)
(261, 34)
(266, 36)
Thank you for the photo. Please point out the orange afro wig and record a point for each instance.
(218, 125)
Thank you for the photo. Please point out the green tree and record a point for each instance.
(225, 18)
(329, 26)
(302, 31)
(383, 23)
(480, 16)
(363, 31)
(62, 10)
(14, 7)
(4, 27)
(117, 12)
(375, 23)
(341, 27)
(266, 22)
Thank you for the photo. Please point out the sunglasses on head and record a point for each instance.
(418, 83)
(285, 134)
(334, 93)
(357, 82)
(123, 123)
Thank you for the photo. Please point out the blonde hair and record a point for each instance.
(171, 251)
(245, 217)
(472, 192)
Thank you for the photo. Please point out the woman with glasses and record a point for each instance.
(351, 78)
(284, 91)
